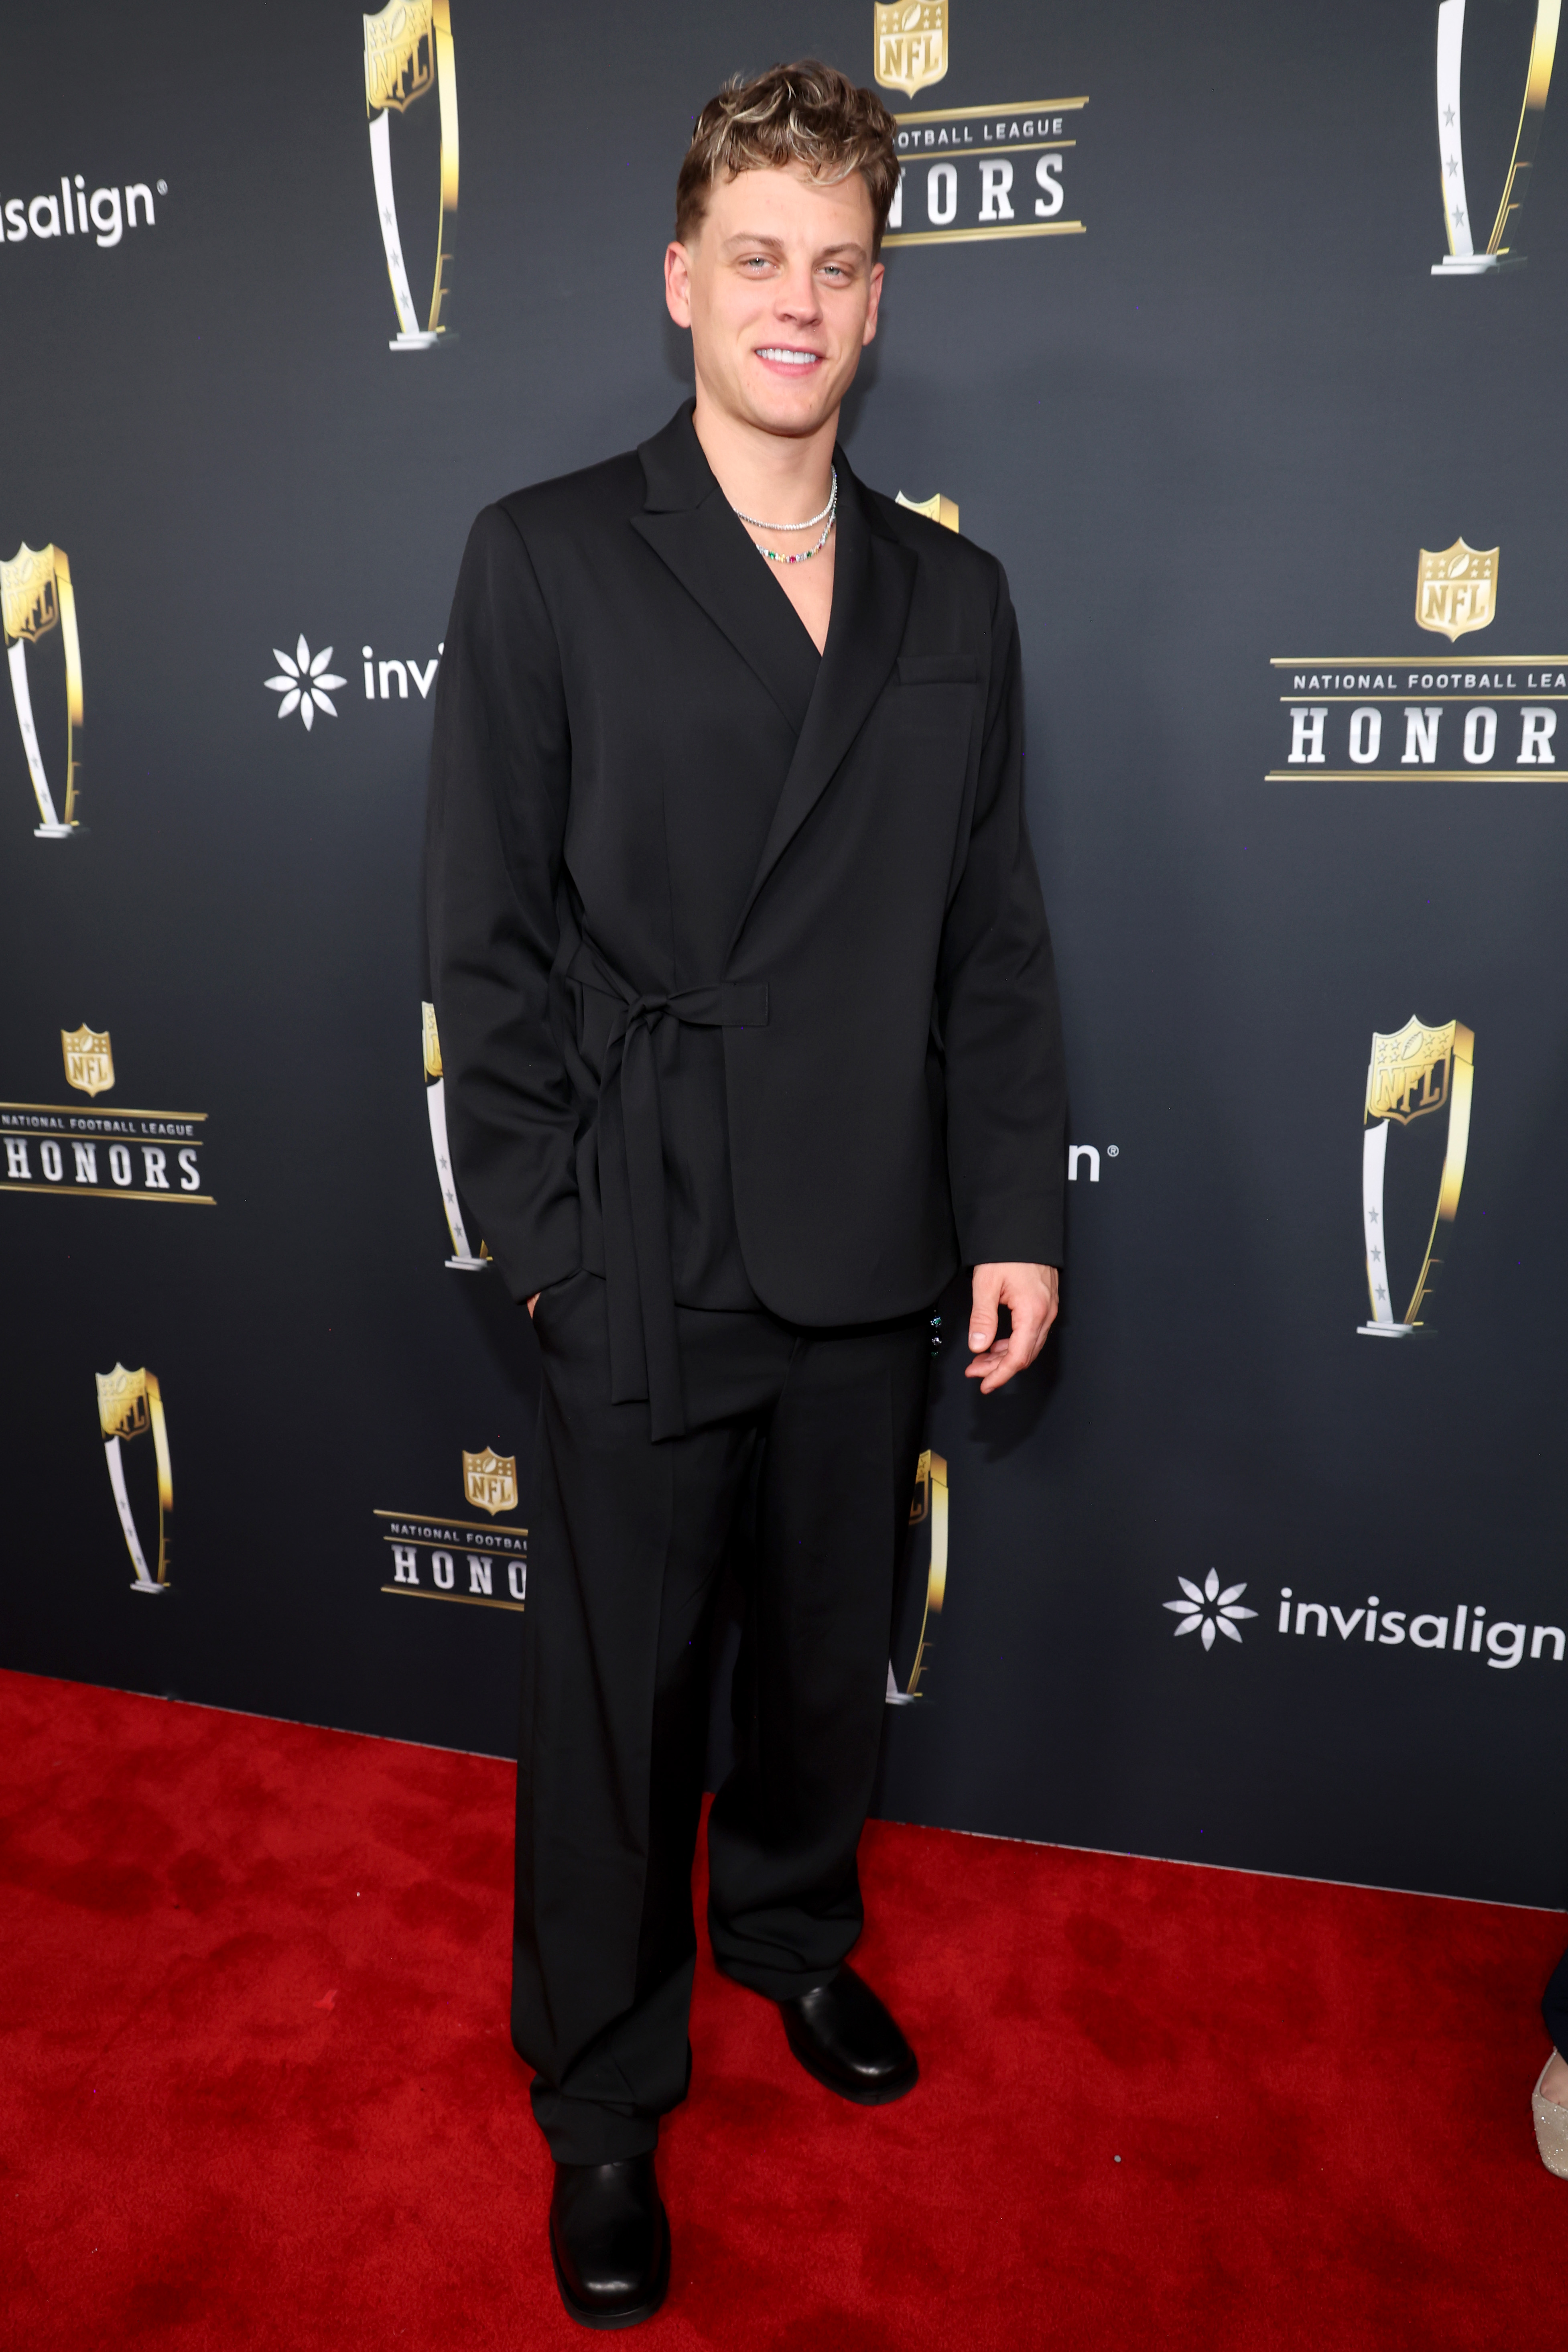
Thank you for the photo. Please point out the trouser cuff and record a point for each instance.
(579, 2131)
(775, 1984)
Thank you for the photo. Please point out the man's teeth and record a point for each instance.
(790, 359)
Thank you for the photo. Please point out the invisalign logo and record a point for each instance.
(104, 214)
(1502, 1641)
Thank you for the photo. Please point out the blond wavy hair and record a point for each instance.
(803, 113)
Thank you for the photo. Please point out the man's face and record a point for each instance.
(779, 290)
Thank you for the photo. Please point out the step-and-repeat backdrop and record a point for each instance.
(1239, 335)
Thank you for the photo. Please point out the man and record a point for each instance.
(750, 1035)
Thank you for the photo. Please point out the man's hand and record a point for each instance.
(1028, 1294)
(532, 1304)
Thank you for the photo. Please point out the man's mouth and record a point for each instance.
(786, 355)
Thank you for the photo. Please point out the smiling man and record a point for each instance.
(750, 1039)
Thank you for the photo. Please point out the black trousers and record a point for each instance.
(804, 1445)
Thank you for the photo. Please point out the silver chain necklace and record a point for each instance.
(832, 500)
(828, 517)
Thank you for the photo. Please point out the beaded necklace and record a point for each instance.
(830, 512)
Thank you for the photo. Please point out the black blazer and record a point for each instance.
(705, 911)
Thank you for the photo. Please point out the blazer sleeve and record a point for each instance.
(499, 780)
(996, 1004)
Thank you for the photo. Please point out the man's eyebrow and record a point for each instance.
(740, 244)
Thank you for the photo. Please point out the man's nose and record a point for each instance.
(797, 296)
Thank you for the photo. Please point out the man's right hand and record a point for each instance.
(532, 1304)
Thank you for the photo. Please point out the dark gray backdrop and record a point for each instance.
(1215, 428)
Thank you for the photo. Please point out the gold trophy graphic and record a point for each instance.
(463, 1260)
(1420, 1072)
(1501, 251)
(929, 1507)
(129, 1406)
(935, 508)
(36, 597)
(408, 54)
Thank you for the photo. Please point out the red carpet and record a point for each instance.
(257, 2089)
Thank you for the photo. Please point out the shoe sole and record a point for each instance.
(879, 2094)
(604, 2322)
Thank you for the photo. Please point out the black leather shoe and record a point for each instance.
(844, 2036)
(610, 2242)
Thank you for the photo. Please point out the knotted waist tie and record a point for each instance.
(640, 1289)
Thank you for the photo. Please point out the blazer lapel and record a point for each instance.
(873, 581)
(690, 528)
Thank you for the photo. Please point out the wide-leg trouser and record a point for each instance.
(801, 1446)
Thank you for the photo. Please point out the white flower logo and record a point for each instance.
(303, 686)
(1210, 1608)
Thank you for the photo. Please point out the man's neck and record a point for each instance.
(778, 477)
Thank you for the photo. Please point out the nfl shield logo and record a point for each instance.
(28, 596)
(1409, 1072)
(910, 44)
(400, 55)
(1456, 590)
(490, 1480)
(122, 1402)
(89, 1064)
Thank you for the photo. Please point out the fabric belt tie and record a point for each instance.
(640, 1288)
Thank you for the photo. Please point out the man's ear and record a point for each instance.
(873, 306)
(678, 283)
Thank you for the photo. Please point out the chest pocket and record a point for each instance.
(936, 701)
